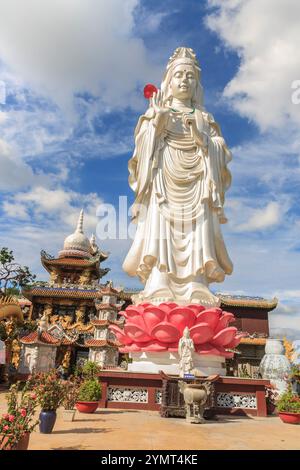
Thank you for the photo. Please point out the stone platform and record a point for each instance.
(129, 390)
(153, 362)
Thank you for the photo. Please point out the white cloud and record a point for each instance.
(266, 35)
(61, 47)
(261, 219)
(53, 206)
(285, 316)
(14, 172)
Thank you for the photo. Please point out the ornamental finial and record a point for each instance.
(79, 227)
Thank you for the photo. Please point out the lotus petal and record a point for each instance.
(170, 305)
(152, 316)
(201, 333)
(225, 336)
(196, 308)
(139, 321)
(144, 304)
(154, 309)
(151, 319)
(121, 337)
(173, 347)
(225, 319)
(182, 317)
(236, 341)
(165, 332)
(131, 348)
(132, 312)
(136, 333)
(208, 349)
(210, 316)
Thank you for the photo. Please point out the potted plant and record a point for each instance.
(90, 393)
(17, 424)
(90, 370)
(288, 407)
(49, 390)
(69, 399)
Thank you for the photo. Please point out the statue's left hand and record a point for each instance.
(200, 138)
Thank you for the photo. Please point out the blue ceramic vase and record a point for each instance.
(47, 421)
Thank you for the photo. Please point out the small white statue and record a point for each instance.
(185, 351)
(42, 324)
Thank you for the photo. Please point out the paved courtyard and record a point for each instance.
(109, 429)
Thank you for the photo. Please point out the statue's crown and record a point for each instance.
(183, 55)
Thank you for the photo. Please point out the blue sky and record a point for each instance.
(72, 74)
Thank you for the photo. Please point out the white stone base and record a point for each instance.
(168, 362)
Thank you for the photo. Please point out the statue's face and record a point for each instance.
(183, 82)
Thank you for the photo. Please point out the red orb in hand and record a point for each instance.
(149, 90)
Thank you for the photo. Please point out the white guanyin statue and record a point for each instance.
(185, 351)
(179, 174)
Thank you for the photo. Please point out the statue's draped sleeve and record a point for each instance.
(142, 162)
(217, 176)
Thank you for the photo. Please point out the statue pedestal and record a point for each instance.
(153, 362)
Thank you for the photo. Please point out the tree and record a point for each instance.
(12, 274)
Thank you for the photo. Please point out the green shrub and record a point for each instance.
(289, 402)
(90, 390)
(70, 393)
(90, 370)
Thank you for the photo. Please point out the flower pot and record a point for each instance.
(68, 415)
(290, 418)
(271, 407)
(22, 444)
(47, 421)
(87, 406)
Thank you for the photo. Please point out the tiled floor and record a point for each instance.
(110, 429)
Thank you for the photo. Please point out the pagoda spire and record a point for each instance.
(79, 228)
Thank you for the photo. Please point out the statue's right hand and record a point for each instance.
(156, 103)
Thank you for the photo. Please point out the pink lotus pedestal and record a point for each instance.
(152, 332)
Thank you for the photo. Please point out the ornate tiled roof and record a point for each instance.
(109, 290)
(45, 338)
(67, 342)
(255, 341)
(77, 293)
(247, 301)
(107, 306)
(82, 262)
(101, 342)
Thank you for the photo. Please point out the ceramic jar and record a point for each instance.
(275, 366)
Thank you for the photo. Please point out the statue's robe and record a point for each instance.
(179, 188)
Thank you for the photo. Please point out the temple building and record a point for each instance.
(251, 317)
(70, 299)
(104, 349)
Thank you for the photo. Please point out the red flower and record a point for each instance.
(33, 396)
(6, 416)
(23, 412)
(6, 428)
(11, 418)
